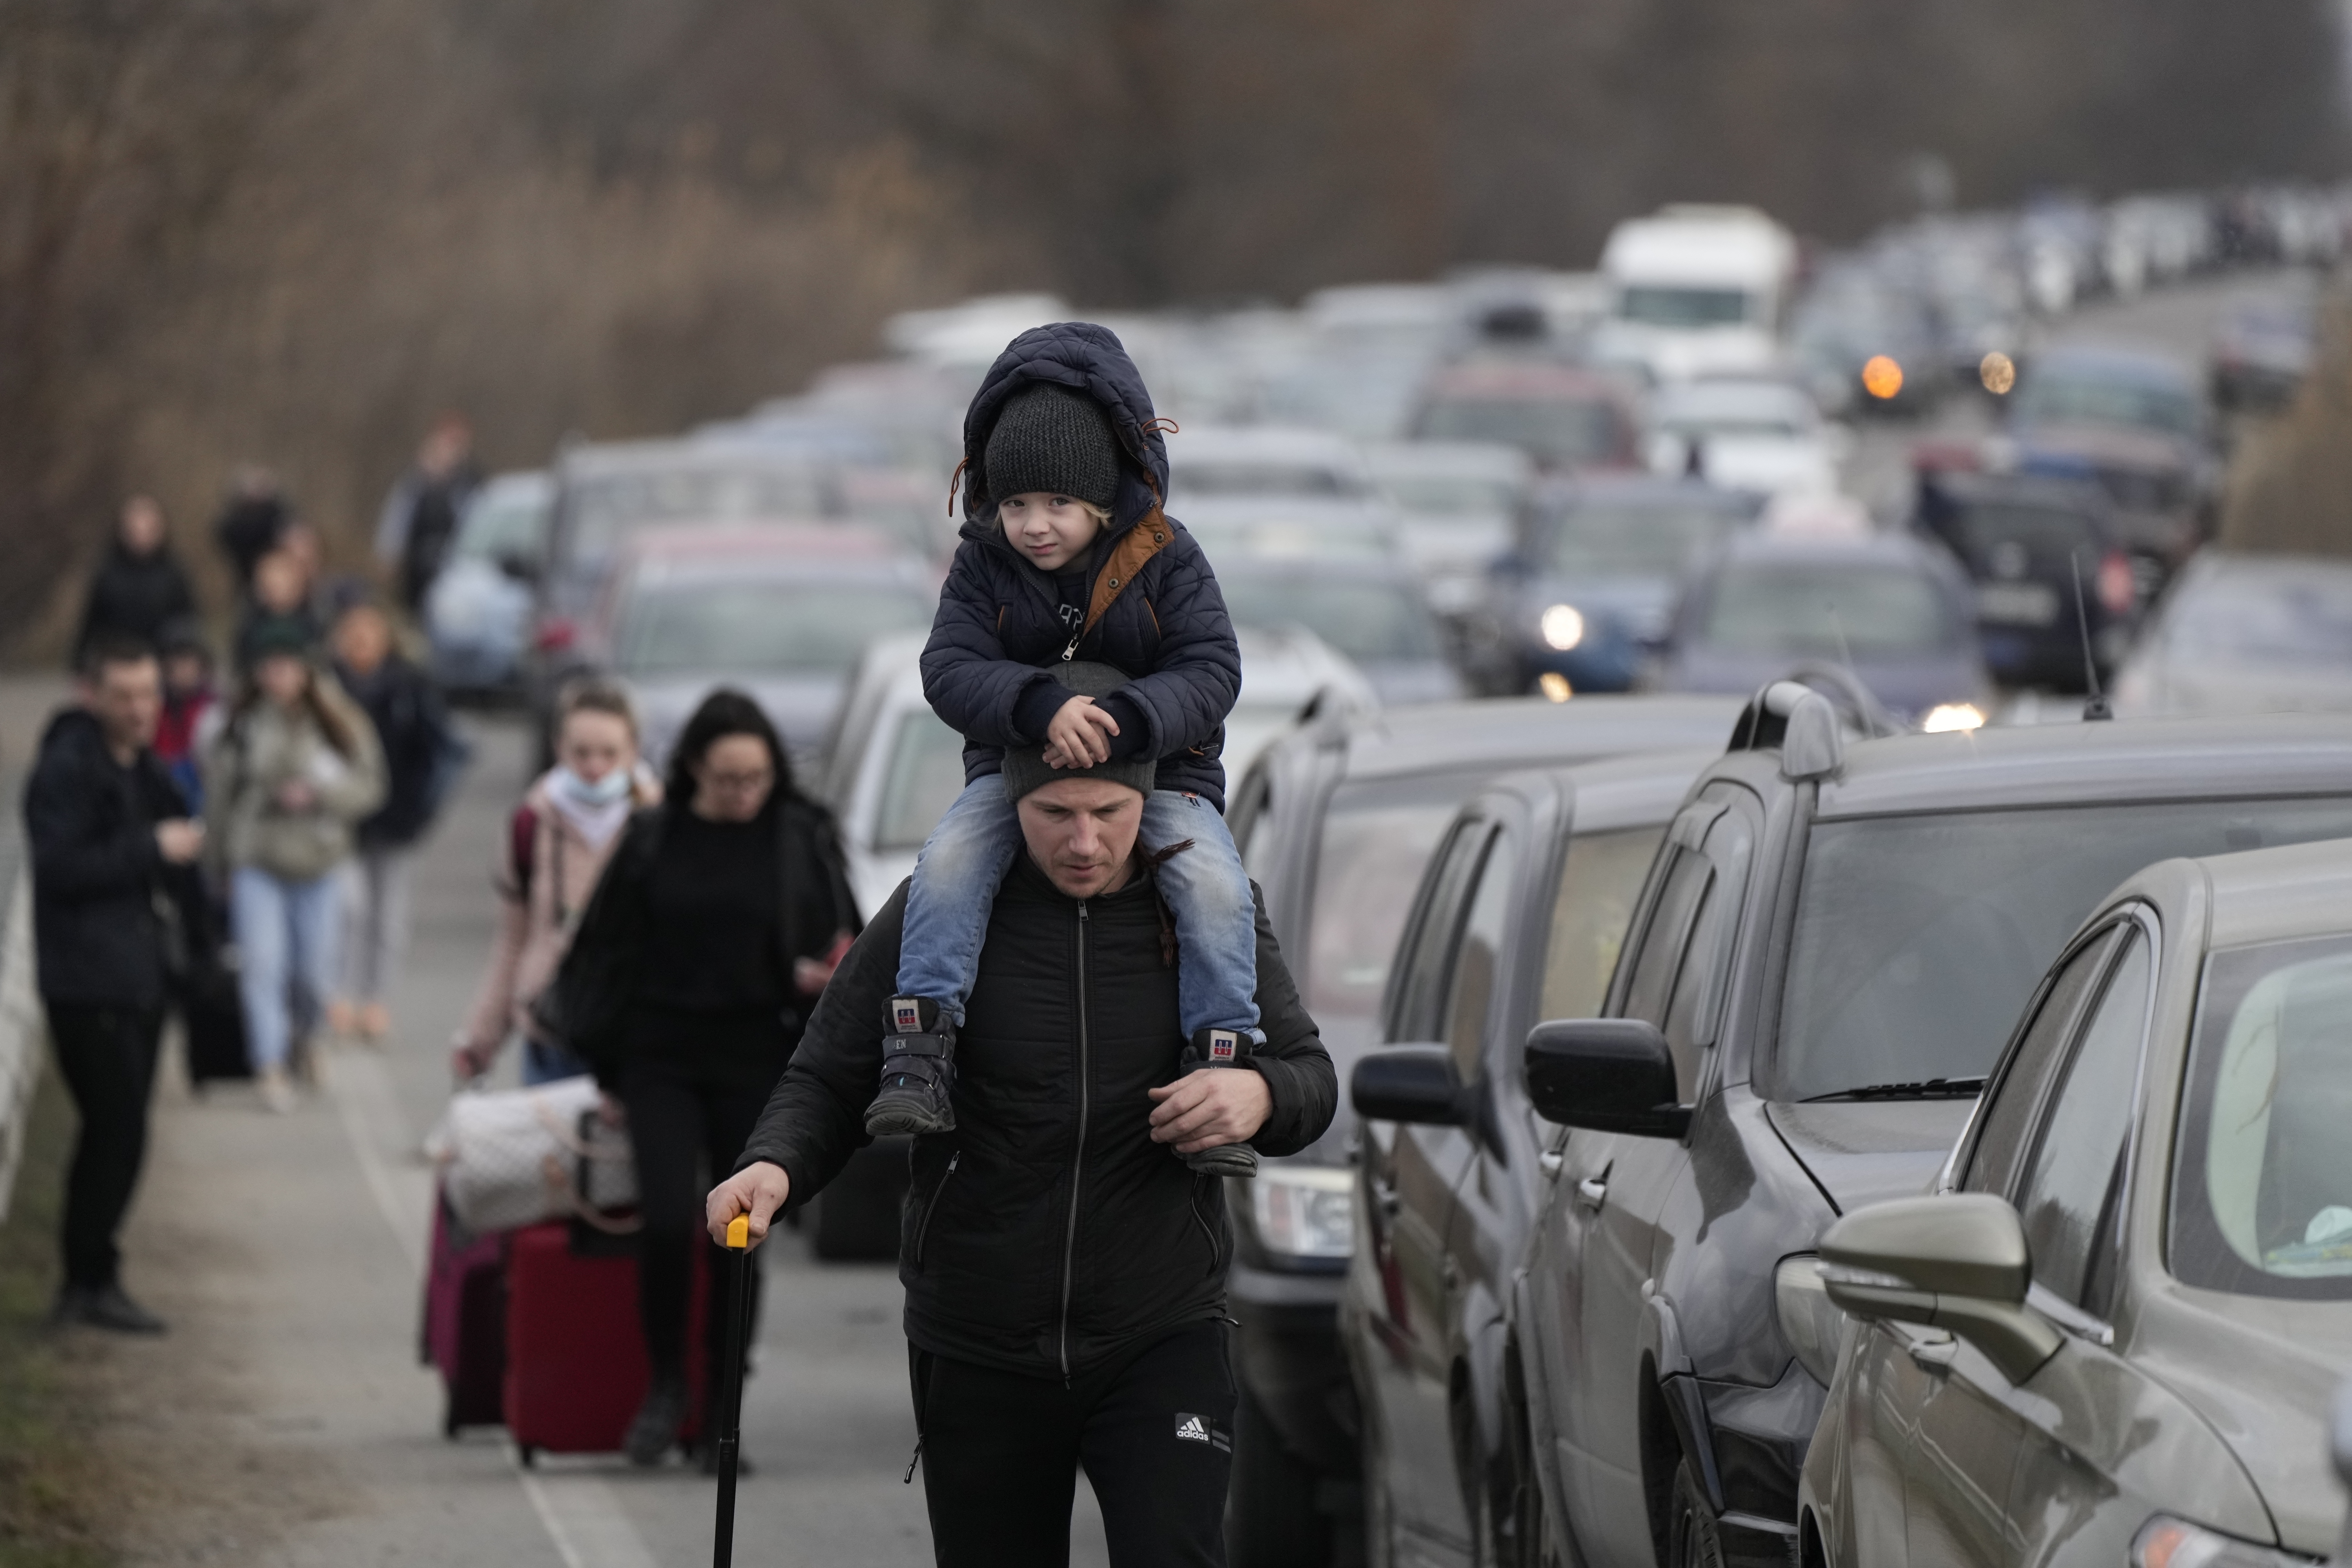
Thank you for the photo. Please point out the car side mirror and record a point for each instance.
(1409, 1083)
(1958, 1261)
(1608, 1075)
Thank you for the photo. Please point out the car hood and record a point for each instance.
(2263, 1371)
(1908, 686)
(1865, 1152)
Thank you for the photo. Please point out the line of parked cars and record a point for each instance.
(1663, 1029)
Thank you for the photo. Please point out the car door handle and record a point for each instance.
(1593, 1191)
(1933, 1355)
(1551, 1159)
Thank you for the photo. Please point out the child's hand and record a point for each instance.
(1079, 736)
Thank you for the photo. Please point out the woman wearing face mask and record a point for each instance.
(717, 922)
(295, 766)
(556, 847)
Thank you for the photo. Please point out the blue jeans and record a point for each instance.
(543, 1062)
(966, 857)
(285, 934)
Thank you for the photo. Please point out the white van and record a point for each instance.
(1696, 290)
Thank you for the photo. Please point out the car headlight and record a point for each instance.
(1562, 626)
(1304, 1211)
(2167, 1542)
(1946, 717)
(1809, 1321)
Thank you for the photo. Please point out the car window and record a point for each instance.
(1377, 836)
(1427, 952)
(1618, 540)
(608, 510)
(1695, 1005)
(922, 777)
(2076, 1176)
(1687, 878)
(2009, 1109)
(749, 624)
(2262, 1184)
(1600, 881)
(1562, 432)
(1366, 620)
(1919, 939)
(1478, 957)
(1836, 611)
(2300, 620)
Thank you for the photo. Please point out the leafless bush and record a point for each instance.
(2291, 487)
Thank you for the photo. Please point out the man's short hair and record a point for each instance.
(596, 694)
(111, 648)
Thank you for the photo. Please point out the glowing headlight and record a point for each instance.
(2166, 1542)
(1809, 1321)
(1304, 1211)
(1947, 716)
(1562, 626)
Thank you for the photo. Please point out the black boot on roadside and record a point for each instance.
(1220, 1048)
(918, 1071)
(657, 1422)
(107, 1307)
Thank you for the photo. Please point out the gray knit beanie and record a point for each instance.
(1048, 437)
(1025, 766)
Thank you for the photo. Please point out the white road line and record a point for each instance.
(581, 1517)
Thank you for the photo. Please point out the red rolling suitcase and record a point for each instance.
(465, 1331)
(576, 1368)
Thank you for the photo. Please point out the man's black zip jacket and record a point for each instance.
(1048, 1230)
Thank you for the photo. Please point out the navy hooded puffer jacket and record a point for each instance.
(1154, 609)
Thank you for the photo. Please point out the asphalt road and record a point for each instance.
(288, 1403)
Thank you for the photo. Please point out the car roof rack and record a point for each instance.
(1791, 718)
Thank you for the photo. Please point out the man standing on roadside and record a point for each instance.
(110, 846)
(1065, 1268)
(419, 518)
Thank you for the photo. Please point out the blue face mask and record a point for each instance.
(602, 792)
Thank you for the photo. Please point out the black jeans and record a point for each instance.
(107, 1055)
(1152, 1427)
(686, 1128)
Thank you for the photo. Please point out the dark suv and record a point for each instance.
(1825, 959)
(1335, 824)
(1519, 918)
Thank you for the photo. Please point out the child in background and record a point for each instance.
(1066, 554)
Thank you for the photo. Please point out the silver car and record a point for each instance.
(2112, 1333)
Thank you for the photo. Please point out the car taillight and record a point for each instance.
(554, 635)
(2117, 591)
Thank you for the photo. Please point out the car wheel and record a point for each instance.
(1691, 1540)
(1271, 1521)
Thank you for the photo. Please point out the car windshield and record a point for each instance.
(1830, 610)
(1364, 620)
(2055, 398)
(921, 776)
(2304, 620)
(751, 626)
(1377, 839)
(1238, 478)
(1603, 541)
(607, 509)
(1561, 432)
(1452, 495)
(1919, 939)
(504, 524)
(2261, 1190)
(1988, 532)
(1656, 305)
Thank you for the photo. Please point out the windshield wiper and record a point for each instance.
(1926, 1089)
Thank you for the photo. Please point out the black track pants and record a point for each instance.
(107, 1057)
(1152, 1429)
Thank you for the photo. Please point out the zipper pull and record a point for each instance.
(912, 1460)
(1070, 651)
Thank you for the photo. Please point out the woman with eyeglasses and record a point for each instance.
(716, 923)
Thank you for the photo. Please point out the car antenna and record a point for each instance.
(2098, 707)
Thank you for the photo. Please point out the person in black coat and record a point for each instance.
(421, 753)
(253, 522)
(141, 589)
(718, 917)
(110, 840)
(1065, 1276)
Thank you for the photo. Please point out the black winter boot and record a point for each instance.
(1220, 1048)
(658, 1420)
(918, 1071)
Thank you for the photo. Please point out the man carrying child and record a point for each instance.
(1078, 939)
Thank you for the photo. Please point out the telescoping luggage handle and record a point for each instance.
(727, 1418)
